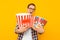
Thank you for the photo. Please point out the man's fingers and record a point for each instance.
(24, 27)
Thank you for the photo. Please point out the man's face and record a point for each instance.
(31, 9)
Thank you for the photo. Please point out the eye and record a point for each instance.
(32, 8)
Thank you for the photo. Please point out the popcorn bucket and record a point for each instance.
(39, 21)
(24, 19)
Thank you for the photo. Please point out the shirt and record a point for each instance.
(27, 35)
(33, 32)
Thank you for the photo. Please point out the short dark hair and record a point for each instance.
(31, 4)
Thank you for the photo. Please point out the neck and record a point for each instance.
(30, 13)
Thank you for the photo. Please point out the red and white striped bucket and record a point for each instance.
(24, 19)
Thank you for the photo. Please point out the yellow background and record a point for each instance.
(49, 9)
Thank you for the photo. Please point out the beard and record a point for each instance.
(31, 12)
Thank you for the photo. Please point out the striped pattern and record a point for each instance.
(23, 19)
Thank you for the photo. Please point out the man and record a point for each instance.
(29, 33)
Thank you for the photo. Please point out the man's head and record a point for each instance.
(31, 8)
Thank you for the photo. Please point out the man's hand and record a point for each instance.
(21, 29)
(39, 29)
(24, 28)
